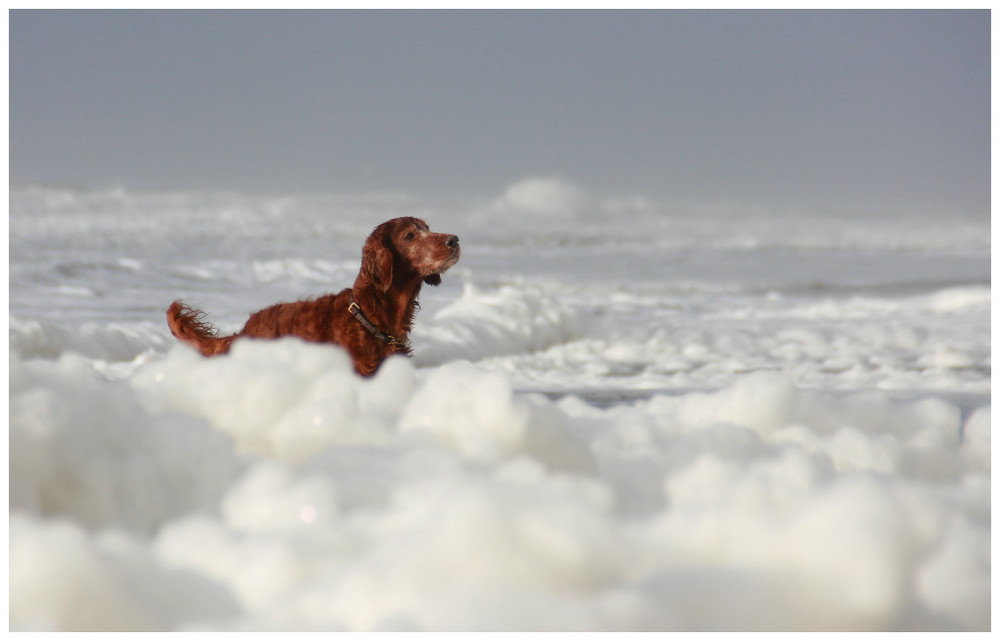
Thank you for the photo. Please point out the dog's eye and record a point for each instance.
(410, 236)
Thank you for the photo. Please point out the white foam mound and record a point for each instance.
(542, 196)
(483, 323)
(63, 577)
(291, 400)
(85, 448)
(113, 342)
(271, 488)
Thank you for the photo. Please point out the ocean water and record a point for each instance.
(622, 413)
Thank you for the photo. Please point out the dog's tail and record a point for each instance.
(187, 325)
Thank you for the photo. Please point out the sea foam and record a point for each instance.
(622, 414)
(291, 493)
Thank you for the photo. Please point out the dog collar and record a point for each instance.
(388, 339)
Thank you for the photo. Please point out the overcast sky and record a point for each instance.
(770, 107)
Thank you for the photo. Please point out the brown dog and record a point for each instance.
(371, 321)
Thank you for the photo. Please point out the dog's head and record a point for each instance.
(405, 248)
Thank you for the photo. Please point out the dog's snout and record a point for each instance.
(452, 242)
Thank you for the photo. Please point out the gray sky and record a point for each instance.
(768, 107)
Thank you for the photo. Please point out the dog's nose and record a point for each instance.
(452, 242)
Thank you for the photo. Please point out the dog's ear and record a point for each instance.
(433, 279)
(376, 260)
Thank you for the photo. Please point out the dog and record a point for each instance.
(372, 320)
